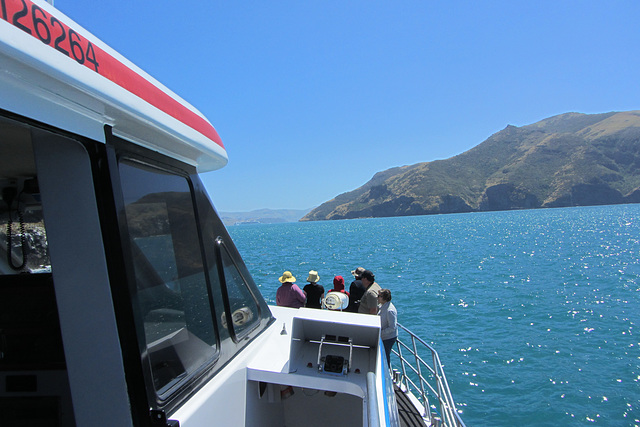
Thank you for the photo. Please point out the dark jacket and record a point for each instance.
(356, 291)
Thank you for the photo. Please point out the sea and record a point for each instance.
(532, 312)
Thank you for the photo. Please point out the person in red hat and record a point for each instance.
(338, 285)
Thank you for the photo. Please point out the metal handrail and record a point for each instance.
(372, 399)
(434, 384)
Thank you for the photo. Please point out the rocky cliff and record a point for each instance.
(568, 160)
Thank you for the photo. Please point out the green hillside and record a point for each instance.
(567, 160)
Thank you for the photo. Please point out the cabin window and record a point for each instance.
(245, 314)
(172, 295)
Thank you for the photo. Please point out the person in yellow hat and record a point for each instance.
(289, 294)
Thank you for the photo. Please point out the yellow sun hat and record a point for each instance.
(287, 277)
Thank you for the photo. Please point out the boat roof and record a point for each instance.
(54, 71)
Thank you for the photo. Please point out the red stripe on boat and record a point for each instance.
(34, 20)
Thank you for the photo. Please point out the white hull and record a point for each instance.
(253, 389)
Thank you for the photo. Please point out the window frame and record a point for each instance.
(122, 150)
(220, 246)
(209, 229)
(166, 391)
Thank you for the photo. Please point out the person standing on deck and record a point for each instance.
(356, 290)
(289, 294)
(388, 322)
(369, 301)
(314, 291)
(338, 285)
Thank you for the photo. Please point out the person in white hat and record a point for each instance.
(314, 291)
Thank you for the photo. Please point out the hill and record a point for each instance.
(263, 216)
(571, 159)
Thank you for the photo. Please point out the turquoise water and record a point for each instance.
(533, 312)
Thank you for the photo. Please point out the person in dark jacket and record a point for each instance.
(356, 290)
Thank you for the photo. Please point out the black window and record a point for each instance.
(244, 309)
(195, 305)
(172, 296)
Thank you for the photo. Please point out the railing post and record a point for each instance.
(404, 370)
(423, 394)
(444, 412)
(447, 406)
(438, 386)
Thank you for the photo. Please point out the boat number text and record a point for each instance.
(32, 19)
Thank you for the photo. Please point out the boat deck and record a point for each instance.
(407, 412)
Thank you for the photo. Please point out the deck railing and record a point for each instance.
(424, 380)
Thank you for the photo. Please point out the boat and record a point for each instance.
(123, 299)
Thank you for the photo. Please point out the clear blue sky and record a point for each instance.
(311, 98)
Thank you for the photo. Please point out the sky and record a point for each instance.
(312, 98)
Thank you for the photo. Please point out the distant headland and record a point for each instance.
(263, 216)
(572, 159)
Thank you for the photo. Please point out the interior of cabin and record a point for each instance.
(34, 386)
